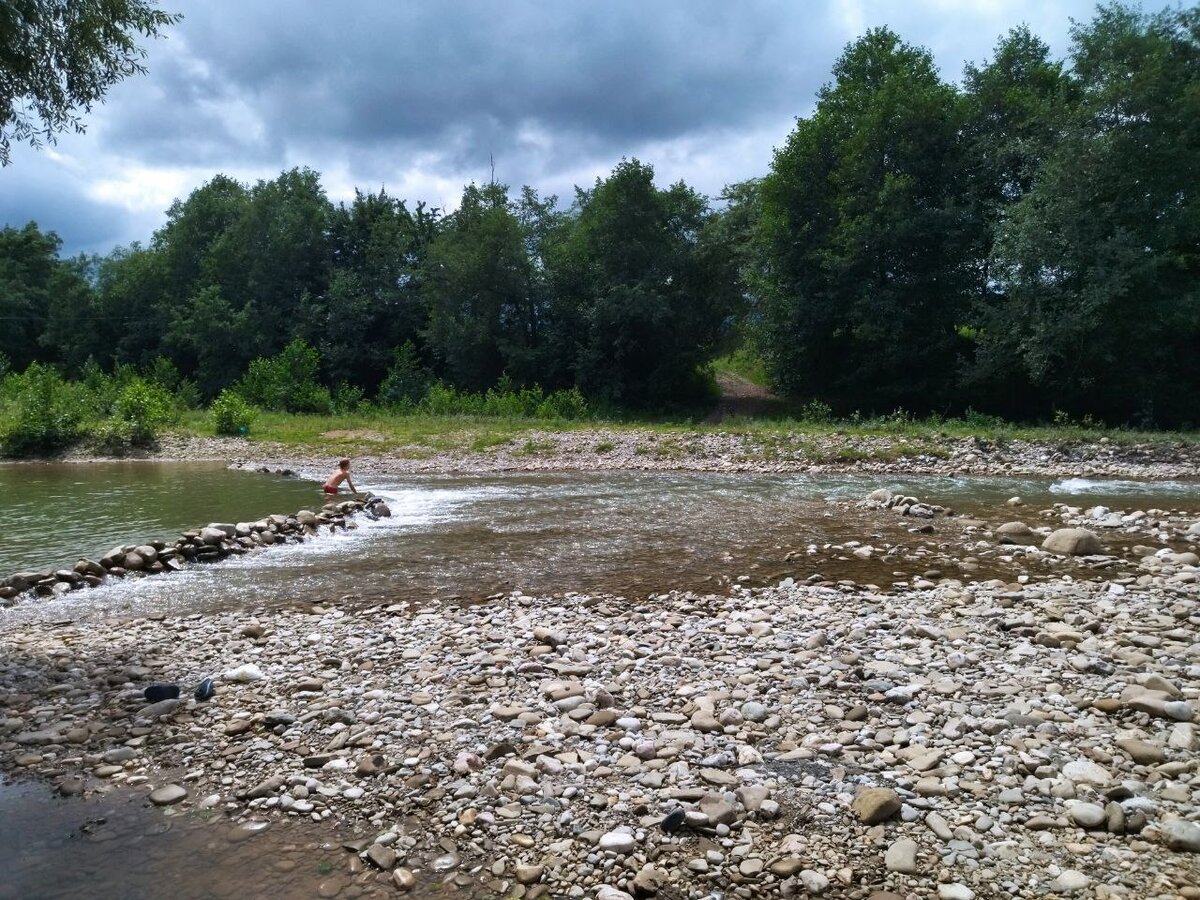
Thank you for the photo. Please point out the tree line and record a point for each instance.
(1023, 242)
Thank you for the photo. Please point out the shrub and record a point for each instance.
(348, 398)
(568, 404)
(407, 381)
(48, 412)
(817, 412)
(231, 414)
(287, 382)
(141, 410)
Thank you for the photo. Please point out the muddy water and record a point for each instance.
(466, 538)
(116, 847)
(54, 513)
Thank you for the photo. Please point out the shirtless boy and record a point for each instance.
(340, 474)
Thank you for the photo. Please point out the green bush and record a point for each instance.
(142, 409)
(568, 404)
(47, 413)
(501, 402)
(287, 382)
(407, 381)
(231, 414)
(348, 398)
(816, 411)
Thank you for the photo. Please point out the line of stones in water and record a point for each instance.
(204, 544)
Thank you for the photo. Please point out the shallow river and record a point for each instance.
(450, 539)
(469, 537)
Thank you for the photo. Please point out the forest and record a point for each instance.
(1023, 242)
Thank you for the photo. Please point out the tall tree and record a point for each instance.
(1016, 106)
(60, 56)
(33, 281)
(1100, 261)
(477, 283)
(373, 303)
(863, 235)
(641, 288)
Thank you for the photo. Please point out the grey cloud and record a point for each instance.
(423, 93)
(58, 202)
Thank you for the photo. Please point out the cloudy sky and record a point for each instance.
(418, 96)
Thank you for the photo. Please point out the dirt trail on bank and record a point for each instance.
(741, 398)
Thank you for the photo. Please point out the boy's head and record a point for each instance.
(344, 464)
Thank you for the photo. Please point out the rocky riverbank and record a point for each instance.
(606, 449)
(957, 740)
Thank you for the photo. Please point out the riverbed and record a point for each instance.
(585, 619)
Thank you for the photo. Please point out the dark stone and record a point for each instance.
(157, 692)
(205, 690)
(674, 820)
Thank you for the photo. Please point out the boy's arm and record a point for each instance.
(353, 489)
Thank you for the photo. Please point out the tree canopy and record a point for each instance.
(1023, 243)
(59, 57)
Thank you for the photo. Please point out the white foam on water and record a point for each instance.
(1114, 487)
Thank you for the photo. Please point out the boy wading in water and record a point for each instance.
(340, 474)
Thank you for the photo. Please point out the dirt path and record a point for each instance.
(741, 398)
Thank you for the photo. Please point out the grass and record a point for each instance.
(744, 363)
(420, 436)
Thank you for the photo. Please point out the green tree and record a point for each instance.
(373, 302)
(476, 280)
(1099, 263)
(132, 307)
(272, 255)
(33, 281)
(863, 236)
(640, 293)
(60, 56)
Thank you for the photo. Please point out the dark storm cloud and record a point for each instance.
(611, 74)
(422, 96)
(57, 201)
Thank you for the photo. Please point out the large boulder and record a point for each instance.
(1073, 542)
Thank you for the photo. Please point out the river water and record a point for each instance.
(451, 539)
(465, 538)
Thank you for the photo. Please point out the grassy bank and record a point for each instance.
(418, 436)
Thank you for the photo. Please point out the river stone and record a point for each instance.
(1086, 771)
(1142, 753)
(1073, 542)
(1088, 815)
(875, 805)
(1015, 529)
(650, 880)
(382, 856)
(814, 882)
(608, 892)
(529, 874)
(404, 879)
(618, 842)
(211, 536)
(1069, 881)
(165, 796)
(90, 567)
(902, 857)
(1180, 834)
(955, 892)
